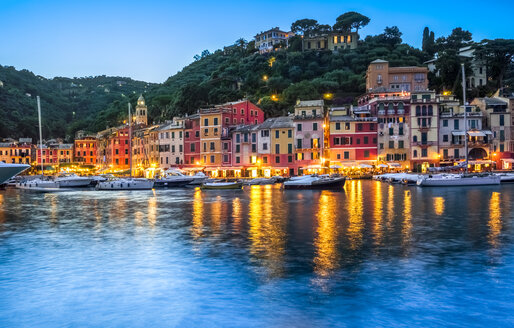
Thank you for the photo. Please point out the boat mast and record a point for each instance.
(40, 134)
(465, 115)
(130, 138)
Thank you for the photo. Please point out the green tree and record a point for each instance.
(304, 26)
(498, 54)
(350, 20)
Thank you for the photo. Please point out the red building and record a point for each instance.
(352, 138)
(85, 150)
(243, 112)
(192, 140)
(50, 155)
(117, 150)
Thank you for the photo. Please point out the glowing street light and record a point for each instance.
(265, 78)
(328, 95)
(274, 97)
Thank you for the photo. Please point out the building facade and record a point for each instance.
(380, 75)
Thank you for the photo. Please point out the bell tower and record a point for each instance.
(141, 111)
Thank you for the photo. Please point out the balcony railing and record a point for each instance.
(424, 143)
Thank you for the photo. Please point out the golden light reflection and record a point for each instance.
(327, 255)
(390, 205)
(197, 226)
(237, 214)
(2, 210)
(355, 210)
(378, 214)
(407, 216)
(54, 215)
(439, 205)
(267, 229)
(152, 210)
(495, 223)
(216, 215)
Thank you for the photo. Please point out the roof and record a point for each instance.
(170, 126)
(310, 103)
(65, 146)
(277, 123)
(493, 101)
(376, 61)
(244, 128)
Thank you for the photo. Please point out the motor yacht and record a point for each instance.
(73, 181)
(315, 182)
(506, 177)
(173, 178)
(38, 184)
(450, 180)
(8, 171)
(125, 184)
(198, 179)
(222, 185)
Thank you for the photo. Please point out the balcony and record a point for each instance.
(424, 143)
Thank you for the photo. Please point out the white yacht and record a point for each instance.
(198, 179)
(73, 181)
(314, 182)
(449, 180)
(507, 177)
(173, 178)
(38, 184)
(8, 171)
(125, 184)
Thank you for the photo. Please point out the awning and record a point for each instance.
(487, 132)
(383, 166)
(209, 169)
(335, 166)
(508, 160)
(192, 168)
(476, 133)
(480, 162)
(349, 164)
(365, 166)
(394, 164)
(312, 167)
(458, 133)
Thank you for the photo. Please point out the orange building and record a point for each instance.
(85, 150)
(381, 75)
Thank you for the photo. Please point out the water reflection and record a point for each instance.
(152, 210)
(355, 210)
(495, 223)
(325, 243)
(197, 222)
(407, 217)
(267, 221)
(237, 214)
(439, 205)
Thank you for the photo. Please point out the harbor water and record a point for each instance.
(369, 255)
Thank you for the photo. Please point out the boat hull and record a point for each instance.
(171, 183)
(456, 182)
(125, 185)
(317, 185)
(222, 186)
(78, 183)
(7, 171)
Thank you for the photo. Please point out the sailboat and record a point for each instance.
(39, 184)
(465, 179)
(126, 183)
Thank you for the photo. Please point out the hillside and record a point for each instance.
(68, 104)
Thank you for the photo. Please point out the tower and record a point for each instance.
(141, 111)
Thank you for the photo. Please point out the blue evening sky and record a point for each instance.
(153, 39)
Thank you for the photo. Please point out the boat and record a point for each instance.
(198, 179)
(222, 185)
(73, 181)
(38, 184)
(8, 171)
(506, 177)
(315, 182)
(173, 178)
(125, 184)
(259, 181)
(450, 180)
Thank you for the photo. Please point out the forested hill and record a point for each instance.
(68, 104)
(274, 80)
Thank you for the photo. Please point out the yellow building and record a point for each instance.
(210, 138)
(424, 117)
(282, 144)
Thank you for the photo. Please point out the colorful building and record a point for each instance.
(171, 144)
(192, 141)
(86, 150)
(381, 75)
(424, 122)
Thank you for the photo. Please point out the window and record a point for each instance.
(192, 147)
(456, 153)
(289, 133)
(366, 154)
(265, 160)
(424, 152)
(455, 124)
(400, 144)
(245, 137)
(445, 138)
(238, 159)
(225, 158)
(366, 140)
(502, 120)
(290, 158)
(205, 132)
(205, 121)
(215, 121)
(289, 148)
(346, 155)
(254, 137)
(277, 134)
(391, 131)
(238, 148)
(212, 159)
(277, 149)
(277, 159)
(299, 143)
(347, 126)
(299, 127)
(381, 145)
(238, 138)
(338, 126)
(212, 146)
(254, 148)
(172, 148)
(204, 146)
(338, 156)
(415, 153)
(197, 134)
(180, 148)
(336, 141)
(445, 123)
(315, 126)
(391, 144)
(265, 146)
(359, 126)
(415, 139)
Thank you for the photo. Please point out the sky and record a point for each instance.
(153, 39)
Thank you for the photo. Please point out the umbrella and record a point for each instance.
(383, 165)
(365, 166)
(336, 166)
